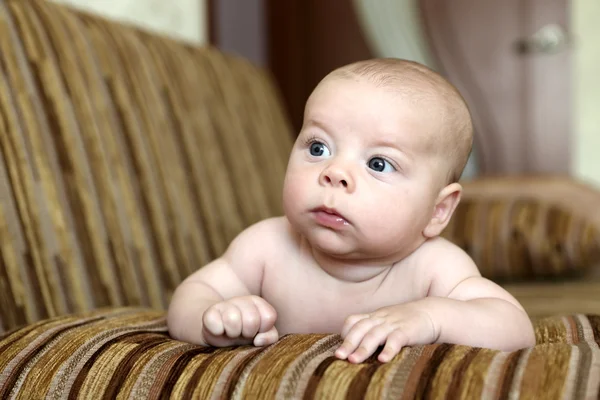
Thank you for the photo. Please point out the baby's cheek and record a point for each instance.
(293, 194)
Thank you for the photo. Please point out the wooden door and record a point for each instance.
(511, 59)
(307, 39)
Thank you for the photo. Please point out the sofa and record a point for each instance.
(129, 160)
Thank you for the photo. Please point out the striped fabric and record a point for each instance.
(523, 237)
(127, 161)
(126, 353)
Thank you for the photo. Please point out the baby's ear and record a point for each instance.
(445, 205)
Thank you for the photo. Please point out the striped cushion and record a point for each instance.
(127, 161)
(523, 228)
(127, 352)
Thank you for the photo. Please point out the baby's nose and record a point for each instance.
(337, 176)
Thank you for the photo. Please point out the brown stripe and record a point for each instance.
(16, 315)
(76, 292)
(22, 176)
(7, 339)
(225, 365)
(60, 382)
(412, 381)
(454, 387)
(585, 358)
(80, 76)
(295, 379)
(593, 384)
(582, 370)
(544, 373)
(126, 365)
(79, 193)
(595, 324)
(35, 349)
(150, 339)
(172, 370)
(588, 349)
(481, 376)
(144, 98)
(430, 367)
(274, 364)
(395, 381)
(360, 382)
(149, 382)
(232, 384)
(147, 204)
(510, 367)
(199, 371)
(317, 376)
(575, 329)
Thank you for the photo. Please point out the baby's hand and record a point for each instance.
(240, 320)
(396, 326)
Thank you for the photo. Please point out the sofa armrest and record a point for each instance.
(127, 352)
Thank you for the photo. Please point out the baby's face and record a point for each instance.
(363, 176)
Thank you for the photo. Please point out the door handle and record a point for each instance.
(549, 39)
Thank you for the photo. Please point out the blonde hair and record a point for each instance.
(420, 83)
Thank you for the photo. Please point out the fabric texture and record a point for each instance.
(524, 228)
(127, 161)
(126, 353)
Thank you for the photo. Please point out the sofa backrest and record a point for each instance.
(127, 161)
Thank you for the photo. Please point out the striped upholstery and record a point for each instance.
(523, 238)
(127, 353)
(126, 161)
(525, 227)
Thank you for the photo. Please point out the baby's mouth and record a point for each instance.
(329, 217)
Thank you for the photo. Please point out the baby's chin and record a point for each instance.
(340, 249)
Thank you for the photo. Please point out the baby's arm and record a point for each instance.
(219, 304)
(461, 307)
(468, 309)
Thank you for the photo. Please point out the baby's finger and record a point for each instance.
(266, 338)
(355, 336)
(350, 322)
(395, 341)
(250, 317)
(268, 315)
(232, 321)
(370, 342)
(212, 321)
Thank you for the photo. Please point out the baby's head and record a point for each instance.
(374, 170)
(429, 93)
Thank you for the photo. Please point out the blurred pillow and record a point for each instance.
(528, 227)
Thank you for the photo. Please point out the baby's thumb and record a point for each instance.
(266, 338)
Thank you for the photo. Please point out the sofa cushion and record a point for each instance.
(528, 227)
(127, 352)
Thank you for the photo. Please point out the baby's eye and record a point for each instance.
(318, 149)
(380, 165)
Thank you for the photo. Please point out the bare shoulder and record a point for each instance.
(239, 271)
(258, 240)
(453, 274)
(445, 265)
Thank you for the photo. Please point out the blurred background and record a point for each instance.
(529, 69)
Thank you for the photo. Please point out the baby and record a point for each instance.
(371, 182)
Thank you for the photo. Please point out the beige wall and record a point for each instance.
(182, 19)
(586, 96)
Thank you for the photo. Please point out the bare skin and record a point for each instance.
(295, 295)
(358, 251)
